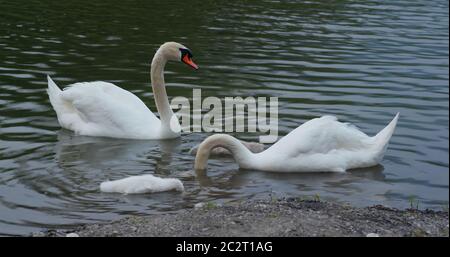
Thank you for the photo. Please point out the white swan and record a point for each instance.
(141, 184)
(321, 144)
(102, 109)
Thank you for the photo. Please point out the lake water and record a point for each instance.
(362, 61)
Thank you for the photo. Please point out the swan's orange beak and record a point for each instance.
(188, 61)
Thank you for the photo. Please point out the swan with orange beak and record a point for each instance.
(103, 109)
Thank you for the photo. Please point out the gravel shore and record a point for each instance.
(285, 217)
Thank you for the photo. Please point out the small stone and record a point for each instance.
(372, 235)
(199, 205)
(72, 235)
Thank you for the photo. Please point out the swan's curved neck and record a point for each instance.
(240, 153)
(159, 88)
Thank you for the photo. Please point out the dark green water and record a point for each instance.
(362, 61)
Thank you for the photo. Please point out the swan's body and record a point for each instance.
(141, 184)
(104, 109)
(321, 144)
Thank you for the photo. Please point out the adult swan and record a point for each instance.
(321, 144)
(102, 109)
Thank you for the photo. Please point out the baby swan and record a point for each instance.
(319, 145)
(141, 185)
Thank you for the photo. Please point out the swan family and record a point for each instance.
(103, 109)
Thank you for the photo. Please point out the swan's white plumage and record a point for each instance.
(321, 144)
(325, 144)
(141, 184)
(103, 109)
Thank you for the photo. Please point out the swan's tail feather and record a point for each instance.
(54, 93)
(62, 108)
(381, 140)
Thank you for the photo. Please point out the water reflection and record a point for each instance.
(82, 154)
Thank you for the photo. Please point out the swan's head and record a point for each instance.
(178, 185)
(174, 51)
(228, 142)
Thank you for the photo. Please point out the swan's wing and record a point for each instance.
(321, 135)
(105, 107)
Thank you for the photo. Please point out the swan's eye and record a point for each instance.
(185, 51)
